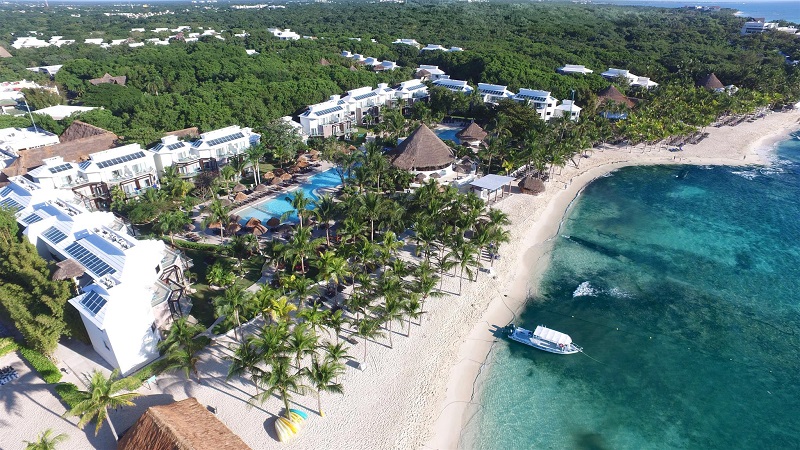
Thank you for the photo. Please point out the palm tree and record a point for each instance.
(300, 246)
(322, 375)
(367, 328)
(265, 299)
(300, 204)
(220, 275)
(336, 321)
(424, 284)
(391, 311)
(46, 441)
(281, 309)
(181, 347)
(326, 210)
(283, 381)
(268, 346)
(253, 156)
(103, 393)
(301, 341)
(412, 309)
(233, 304)
(243, 246)
(172, 222)
(332, 268)
(371, 207)
(467, 255)
(217, 212)
(313, 316)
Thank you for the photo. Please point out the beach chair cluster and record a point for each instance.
(8, 374)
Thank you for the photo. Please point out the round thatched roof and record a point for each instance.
(225, 202)
(261, 188)
(258, 230)
(239, 197)
(268, 175)
(273, 222)
(68, 269)
(612, 94)
(532, 185)
(233, 228)
(711, 82)
(275, 181)
(252, 222)
(286, 176)
(421, 177)
(473, 132)
(422, 151)
(239, 188)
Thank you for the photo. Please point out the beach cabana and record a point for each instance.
(180, 425)
(490, 185)
(232, 228)
(712, 83)
(472, 135)
(273, 222)
(531, 185)
(275, 181)
(268, 175)
(422, 151)
(225, 202)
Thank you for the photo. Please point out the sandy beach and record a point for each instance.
(417, 394)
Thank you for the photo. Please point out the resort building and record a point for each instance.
(433, 48)
(613, 105)
(284, 35)
(432, 73)
(472, 135)
(108, 79)
(128, 288)
(423, 152)
(613, 74)
(223, 144)
(453, 85)
(50, 71)
(13, 89)
(492, 187)
(172, 152)
(366, 101)
(29, 42)
(15, 140)
(574, 69)
(411, 42)
(130, 167)
(59, 112)
(93, 41)
(411, 91)
(493, 93)
(327, 119)
(542, 101)
(569, 109)
(758, 26)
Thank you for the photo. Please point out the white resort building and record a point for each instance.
(426, 72)
(13, 140)
(613, 74)
(568, 108)
(130, 167)
(573, 68)
(224, 143)
(129, 289)
(542, 101)
(411, 91)
(284, 35)
(454, 85)
(493, 93)
(411, 42)
(758, 26)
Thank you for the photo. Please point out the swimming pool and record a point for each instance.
(281, 204)
(447, 133)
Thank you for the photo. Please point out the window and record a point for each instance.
(158, 268)
(116, 173)
(153, 328)
(106, 345)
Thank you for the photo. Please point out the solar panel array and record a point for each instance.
(490, 92)
(60, 168)
(175, 146)
(224, 139)
(419, 86)
(531, 97)
(10, 203)
(6, 190)
(120, 160)
(54, 235)
(367, 95)
(84, 165)
(93, 302)
(33, 218)
(329, 110)
(88, 259)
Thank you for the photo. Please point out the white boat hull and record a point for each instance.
(527, 337)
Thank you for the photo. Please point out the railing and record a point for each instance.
(131, 174)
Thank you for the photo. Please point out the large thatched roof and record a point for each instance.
(107, 78)
(183, 425)
(612, 94)
(81, 130)
(422, 151)
(4, 53)
(67, 269)
(711, 82)
(473, 132)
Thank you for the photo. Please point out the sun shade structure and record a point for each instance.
(261, 188)
(422, 151)
(183, 425)
(491, 184)
(531, 185)
(711, 82)
(473, 132)
(240, 196)
(239, 188)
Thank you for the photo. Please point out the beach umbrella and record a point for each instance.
(225, 202)
(420, 177)
(275, 181)
(233, 228)
(278, 172)
(273, 222)
(532, 185)
(258, 230)
(268, 175)
(252, 222)
(436, 175)
(261, 188)
(286, 177)
(285, 227)
(189, 227)
(215, 225)
(240, 196)
(294, 169)
(239, 188)
(302, 164)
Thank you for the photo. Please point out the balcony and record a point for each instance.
(131, 174)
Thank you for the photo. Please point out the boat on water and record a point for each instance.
(545, 339)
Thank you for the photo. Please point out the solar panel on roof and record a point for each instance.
(93, 302)
(6, 190)
(10, 203)
(120, 160)
(175, 146)
(54, 235)
(89, 260)
(419, 86)
(32, 218)
(367, 95)
(60, 168)
(224, 139)
(84, 165)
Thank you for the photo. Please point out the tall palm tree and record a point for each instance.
(322, 375)
(46, 441)
(302, 342)
(371, 207)
(466, 253)
(301, 246)
(217, 212)
(243, 246)
(181, 347)
(172, 222)
(326, 210)
(336, 321)
(332, 268)
(391, 311)
(281, 309)
(300, 204)
(103, 393)
(282, 380)
(368, 329)
(412, 309)
(253, 156)
(424, 284)
(265, 299)
(234, 304)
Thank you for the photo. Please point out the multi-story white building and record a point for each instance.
(130, 167)
(432, 48)
(568, 108)
(366, 101)
(172, 152)
(574, 68)
(493, 93)
(326, 119)
(613, 74)
(284, 35)
(453, 85)
(758, 26)
(14, 140)
(224, 143)
(129, 288)
(542, 101)
(428, 72)
(411, 91)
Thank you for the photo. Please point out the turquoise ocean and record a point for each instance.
(681, 284)
(788, 10)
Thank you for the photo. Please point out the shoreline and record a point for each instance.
(747, 144)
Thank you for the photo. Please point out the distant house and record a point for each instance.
(569, 109)
(574, 69)
(411, 42)
(327, 119)
(107, 78)
(757, 26)
(284, 35)
(433, 48)
(493, 93)
(16, 140)
(59, 112)
(472, 135)
(454, 85)
(183, 425)
(542, 101)
(613, 74)
(613, 103)
(711, 82)
(427, 72)
(411, 91)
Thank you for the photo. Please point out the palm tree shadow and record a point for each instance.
(269, 427)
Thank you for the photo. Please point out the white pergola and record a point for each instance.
(491, 184)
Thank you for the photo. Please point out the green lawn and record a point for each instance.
(203, 298)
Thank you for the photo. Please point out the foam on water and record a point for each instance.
(584, 289)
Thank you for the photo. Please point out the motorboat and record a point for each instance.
(545, 339)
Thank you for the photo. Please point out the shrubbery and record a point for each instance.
(46, 368)
(7, 345)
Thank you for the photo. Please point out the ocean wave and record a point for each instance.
(618, 293)
(746, 174)
(584, 290)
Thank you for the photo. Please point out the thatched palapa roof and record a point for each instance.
(67, 269)
(531, 185)
(107, 78)
(422, 151)
(612, 94)
(239, 188)
(711, 82)
(473, 132)
(183, 425)
(261, 188)
(239, 196)
(4, 53)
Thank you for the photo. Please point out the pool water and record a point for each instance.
(448, 134)
(278, 206)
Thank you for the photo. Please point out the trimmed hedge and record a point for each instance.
(213, 248)
(68, 393)
(42, 364)
(7, 345)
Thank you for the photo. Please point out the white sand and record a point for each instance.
(415, 395)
